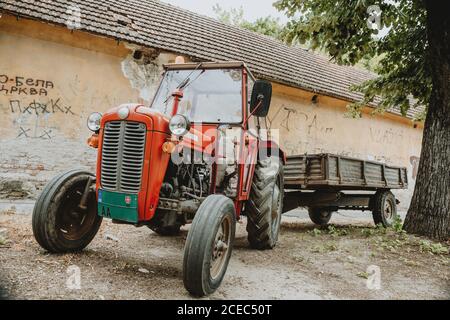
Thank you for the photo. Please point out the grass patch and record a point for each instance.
(315, 232)
(391, 240)
(434, 248)
(337, 232)
(397, 225)
(298, 258)
(325, 248)
(3, 241)
(363, 275)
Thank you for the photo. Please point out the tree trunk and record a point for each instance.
(429, 212)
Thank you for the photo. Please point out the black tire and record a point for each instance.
(320, 216)
(384, 208)
(168, 231)
(56, 212)
(265, 205)
(201, 274)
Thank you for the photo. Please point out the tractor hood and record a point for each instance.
(200, 136)
(153, 119)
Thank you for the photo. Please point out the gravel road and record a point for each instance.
(124, 262)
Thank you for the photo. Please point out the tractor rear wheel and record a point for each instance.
(265, 204)
(208, 245)
(59, 224)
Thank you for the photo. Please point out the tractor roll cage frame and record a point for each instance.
(246, 73)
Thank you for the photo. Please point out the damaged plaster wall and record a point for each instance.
(143, 68)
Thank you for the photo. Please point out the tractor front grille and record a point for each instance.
(122, 156)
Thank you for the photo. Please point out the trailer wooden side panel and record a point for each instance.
(330, 171)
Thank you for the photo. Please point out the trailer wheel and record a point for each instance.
(265, 204)
(208, 245)
(59, 225)
(320, 216)
(384, 208)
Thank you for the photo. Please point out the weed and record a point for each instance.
(391, 244)
(397, 225)
(410, 263)
(299, 258)
(434, 248)
(335, 232)
(367, 232)
(380, 229)
(363, 275)
(3, 241)
(328, 247)
(445, 261)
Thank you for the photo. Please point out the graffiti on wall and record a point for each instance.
(285, 114)
(315, 127)
(40, 108)
(32, 103)
(24, 86)
(385, 135)
(291, 118)
(312, 133)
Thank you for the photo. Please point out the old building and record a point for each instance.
(60, 60)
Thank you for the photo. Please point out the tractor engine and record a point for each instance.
(187, 183)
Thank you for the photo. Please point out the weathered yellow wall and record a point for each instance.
(323, 127)
(81, 73)
(78, 81)
(62, 76)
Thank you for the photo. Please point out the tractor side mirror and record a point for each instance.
(261, 96)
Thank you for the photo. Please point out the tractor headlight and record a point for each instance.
(123, 113)
(179, 125)
(93, 121)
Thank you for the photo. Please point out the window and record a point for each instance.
(209, 95)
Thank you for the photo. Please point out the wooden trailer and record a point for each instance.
(327, 182)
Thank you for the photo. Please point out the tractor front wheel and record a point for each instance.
(208, 245)
(59, 223)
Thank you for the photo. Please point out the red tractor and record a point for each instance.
(199, 154)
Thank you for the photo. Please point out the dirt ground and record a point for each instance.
(124, 262)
